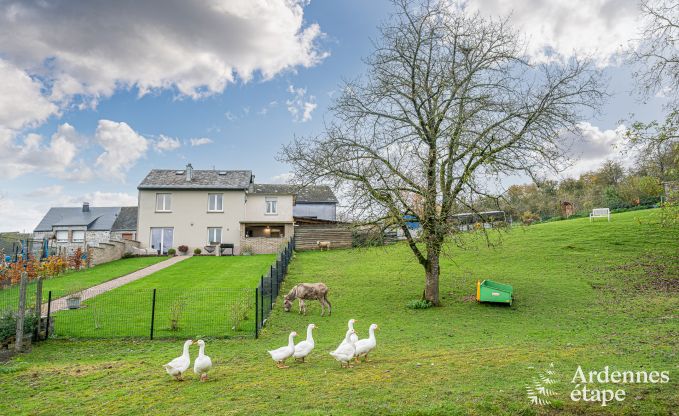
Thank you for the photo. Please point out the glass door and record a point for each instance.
(161, 239)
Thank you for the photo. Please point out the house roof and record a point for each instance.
(126, 220)
(307, 194)
(97, 219)
(200, 179)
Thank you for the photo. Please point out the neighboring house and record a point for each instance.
(125, 225)
(75, 227)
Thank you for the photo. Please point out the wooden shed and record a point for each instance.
(308, 231)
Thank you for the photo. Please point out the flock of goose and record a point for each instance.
(351, 348)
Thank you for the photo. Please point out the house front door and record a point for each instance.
(161, 239)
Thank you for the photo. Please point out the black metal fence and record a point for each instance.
(159, 312)
(270, 286)
(154, 313)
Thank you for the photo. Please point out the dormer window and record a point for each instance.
(271, 205)
(215, 202)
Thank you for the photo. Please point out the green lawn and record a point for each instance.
(203, 294)
(594, 295)
(80, 279)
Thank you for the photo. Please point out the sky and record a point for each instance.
(94, 94)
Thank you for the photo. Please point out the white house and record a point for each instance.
(208, 208)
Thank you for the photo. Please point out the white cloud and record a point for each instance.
(166, 144)
(593, 147)
(91, 49)
(31, 153)
(200, 141)
(599, 29)
(282, 178)
(300, 105)
(230, 116)
(21, 101)
(106, 199)
(122, 148)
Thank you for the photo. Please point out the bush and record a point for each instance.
(197, 251)
(8, 323)
(183, 248)
(419, 304)
(171, 252)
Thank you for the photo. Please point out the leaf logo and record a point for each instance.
(537, 391)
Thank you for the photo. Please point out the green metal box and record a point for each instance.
(490, 291)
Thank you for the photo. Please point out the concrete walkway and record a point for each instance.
(60, 303)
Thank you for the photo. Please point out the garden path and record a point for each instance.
(60, 303)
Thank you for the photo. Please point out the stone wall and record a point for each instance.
(112, 250)
(263, 245)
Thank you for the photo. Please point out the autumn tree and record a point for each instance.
(448, 100)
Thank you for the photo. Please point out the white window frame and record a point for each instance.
(271, 202)
(219, 202)
(166, 205)
(78, 240)
(209, 237)
(56, 234)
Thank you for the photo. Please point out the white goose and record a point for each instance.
(304, 348)
(354, 336)
(203, 363)
(346, 350)
(364, 346)
(176, 367)
(283, 353)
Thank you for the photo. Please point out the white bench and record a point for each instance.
(600, 213)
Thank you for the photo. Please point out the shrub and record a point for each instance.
(183, 248)
(171, 252)
(176, 311)
(8, 323)
(419, 304)
(197, 251)
(528, 218)
(246, 250)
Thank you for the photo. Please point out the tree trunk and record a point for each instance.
(432, 271)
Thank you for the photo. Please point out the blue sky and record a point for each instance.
(85, 114)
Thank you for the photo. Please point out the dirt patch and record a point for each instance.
(468, 298)
(650, 273)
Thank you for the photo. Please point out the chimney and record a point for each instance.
(86, 207)
(189, 172)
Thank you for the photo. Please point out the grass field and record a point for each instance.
(200, 293)
(74, 280)
(590, 295)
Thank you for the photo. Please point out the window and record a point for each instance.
(214, 235)
(62, 236)
(78, 236)
(215, 202)
(271, 205)
(164, 202)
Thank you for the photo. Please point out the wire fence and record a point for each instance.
(159, 312)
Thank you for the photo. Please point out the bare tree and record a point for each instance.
(656, 52)
(448, 99)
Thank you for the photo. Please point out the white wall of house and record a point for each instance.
(189, 216)
(256, 208)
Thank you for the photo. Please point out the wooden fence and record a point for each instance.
(306, 236)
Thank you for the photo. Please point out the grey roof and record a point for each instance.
(126, 220)
(97, 219)
(201, 179)
(307, 194)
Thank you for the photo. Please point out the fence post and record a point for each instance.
(19, 336)
(261, 304)
(49, 311)
(256, 312)
(38, 307)
(153, 312)
(271, 286)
